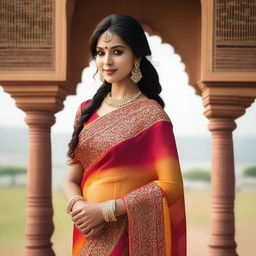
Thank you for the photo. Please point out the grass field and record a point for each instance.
(12, 223)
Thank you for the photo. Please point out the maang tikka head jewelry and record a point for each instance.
(107, 36)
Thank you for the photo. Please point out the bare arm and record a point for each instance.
(120, 207)
(73, 181)
(72, 188)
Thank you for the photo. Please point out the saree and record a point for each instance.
(131, 153)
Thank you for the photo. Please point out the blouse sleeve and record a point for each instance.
(167, 162)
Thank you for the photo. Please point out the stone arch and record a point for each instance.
(40, 80)
(172, 27)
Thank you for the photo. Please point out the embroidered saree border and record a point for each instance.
(146, 221)
(77, 116)
(117, 126)
(100, 118)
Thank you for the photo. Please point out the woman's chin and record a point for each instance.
(111, 80)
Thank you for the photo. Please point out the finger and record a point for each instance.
(82, 229)
(77, 217)
(85, 230)
(90, 234)
(93, 232)
(82, 220)
(74, 213)
(81, 223)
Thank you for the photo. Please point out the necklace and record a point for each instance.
(117, 103)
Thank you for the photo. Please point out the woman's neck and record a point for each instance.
(124, 90)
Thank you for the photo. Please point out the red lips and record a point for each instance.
(109, 71)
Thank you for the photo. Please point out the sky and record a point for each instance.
(183, 106)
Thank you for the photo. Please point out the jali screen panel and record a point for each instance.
(27, 40)
(234, 39)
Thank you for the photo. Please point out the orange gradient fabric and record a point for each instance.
(130, 153)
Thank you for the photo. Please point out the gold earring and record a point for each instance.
(136, 73)
(101, 77)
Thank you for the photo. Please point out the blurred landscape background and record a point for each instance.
(194, 154)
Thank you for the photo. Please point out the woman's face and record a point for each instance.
(114, 59)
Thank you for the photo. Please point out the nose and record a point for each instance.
(108, 59)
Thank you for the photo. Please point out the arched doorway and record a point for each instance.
(39, 89)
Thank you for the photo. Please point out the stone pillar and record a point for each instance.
(222, 242)
(40, 101)
(39, 224)
(223, 104)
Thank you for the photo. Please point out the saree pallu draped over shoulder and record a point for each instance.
(130, 153)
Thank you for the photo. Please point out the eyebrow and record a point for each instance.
(116, 46)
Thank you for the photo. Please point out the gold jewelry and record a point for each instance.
(101, 77)
(72, 201)
(136, 73)
(117, 103)
(108, 211)
(107, 36)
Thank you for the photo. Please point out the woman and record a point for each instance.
(124, 183)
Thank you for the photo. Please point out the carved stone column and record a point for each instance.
(222, 241)
(222, 106)
(40, 102)
(39, 224)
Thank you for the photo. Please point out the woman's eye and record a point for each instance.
(99, 53)
(115, 52)
(118, 52)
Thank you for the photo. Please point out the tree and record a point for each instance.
(198, 174)
(249, 171)
(13, 172)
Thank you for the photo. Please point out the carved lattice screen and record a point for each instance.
(27, 35)
(234, 39)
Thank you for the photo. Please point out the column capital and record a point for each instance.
(38, 96)
(221, 101)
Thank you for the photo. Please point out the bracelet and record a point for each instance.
(72, 201)
(108, 211)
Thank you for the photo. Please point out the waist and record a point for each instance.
(114, 187)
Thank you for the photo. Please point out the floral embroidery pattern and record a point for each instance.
(146, 223)
(105, 243)
(124, 123)
(126, 251)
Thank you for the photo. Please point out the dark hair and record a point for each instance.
(131, 32)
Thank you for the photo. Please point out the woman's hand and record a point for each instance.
(95, 230)
(88, 217)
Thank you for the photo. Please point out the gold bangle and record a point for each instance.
(108, 211)
(72, 201)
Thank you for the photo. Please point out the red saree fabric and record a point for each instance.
(130, 153)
